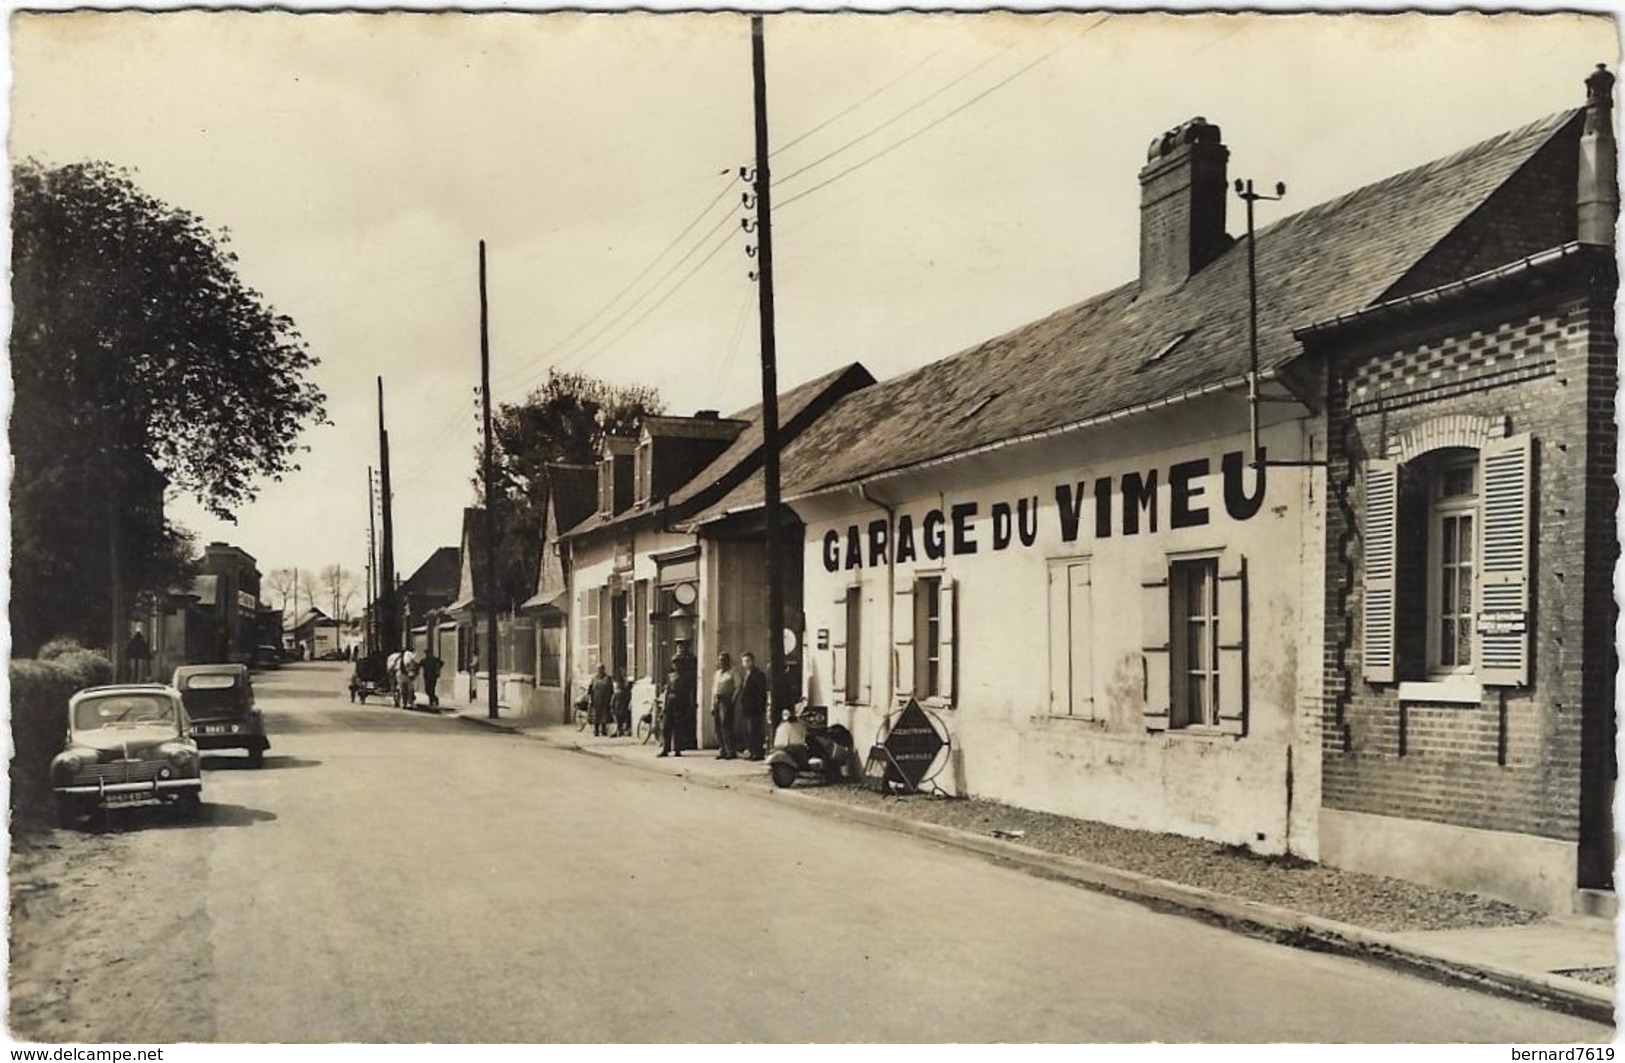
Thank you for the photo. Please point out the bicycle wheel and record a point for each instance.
(581, 718)
(645, 730)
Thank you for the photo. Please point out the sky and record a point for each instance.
(938, 179)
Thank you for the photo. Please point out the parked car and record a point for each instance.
(219, 699)
(268, 657)
(126, 745)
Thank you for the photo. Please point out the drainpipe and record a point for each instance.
(891, 588)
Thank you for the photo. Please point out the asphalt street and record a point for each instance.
(395, 876)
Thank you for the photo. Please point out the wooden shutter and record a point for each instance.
(1381, 530)
(1154, 645)
(1233, 685)
(837, 647)
(948, 630)
(1503, 649)
(903, 650)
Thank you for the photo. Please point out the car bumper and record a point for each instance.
(241, 740)
(155, 787)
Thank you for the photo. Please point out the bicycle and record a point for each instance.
(581, 714)
(652, 724)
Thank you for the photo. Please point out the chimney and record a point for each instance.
(1599, 186)
(1182, 200)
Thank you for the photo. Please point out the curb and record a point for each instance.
(1282, 925)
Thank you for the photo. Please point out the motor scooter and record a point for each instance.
(805, 745)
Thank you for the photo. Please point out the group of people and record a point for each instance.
(408, 666)
(738, 703)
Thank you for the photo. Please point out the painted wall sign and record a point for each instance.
(1502, 622)
(1102, 507)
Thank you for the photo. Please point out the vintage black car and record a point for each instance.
(220, 700)
(126, 745)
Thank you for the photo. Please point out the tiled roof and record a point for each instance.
(746, 447)
(574, 491)
(1100, 356)
(437, 575)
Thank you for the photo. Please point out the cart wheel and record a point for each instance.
(783, 774)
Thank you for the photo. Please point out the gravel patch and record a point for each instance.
(1371, 901)
(1594, 975)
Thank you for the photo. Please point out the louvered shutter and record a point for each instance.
(606, 629)
(903, 651)
(837, 646)
(1233, 685)
(1154, 645)
(1381, 535)
(948, 627)
(1503, 618)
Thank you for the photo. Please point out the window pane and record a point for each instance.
(1447, 542)
(1195, 633)
(1464, 642)
(1465, 537)
(1447, 641)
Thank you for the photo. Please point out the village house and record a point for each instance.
(571, 497)
(1123, 601)
(639, 579)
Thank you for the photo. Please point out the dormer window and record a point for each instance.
(644, 464)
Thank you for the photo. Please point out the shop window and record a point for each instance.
(550, 653)
(1193, 613)
(1446, 545)
(1071, 640)
(927, 630)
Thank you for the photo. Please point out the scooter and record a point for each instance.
(804, 745)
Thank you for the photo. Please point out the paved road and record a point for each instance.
(390, 876)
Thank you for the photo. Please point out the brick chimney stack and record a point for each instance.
(1182, 201)
(1599, 185)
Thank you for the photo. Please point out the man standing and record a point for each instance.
(726, 691)
(682, 692)
(753, 704)
(138, 657)
(600, 701)
(431, 676)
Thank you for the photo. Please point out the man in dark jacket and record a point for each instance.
(753, 704)
(682, 698)
(600, 699)
(430, 666)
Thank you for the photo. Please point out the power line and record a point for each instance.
(787, 145)
(581, 348)
(733, 345)
(657, 305)
(943, 118)
(563, 342)
(900, 115)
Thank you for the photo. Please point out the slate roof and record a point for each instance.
(746, 447)
(1096, 358)
(574, 491)
(438, 575)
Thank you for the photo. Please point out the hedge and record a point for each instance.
(40, 690)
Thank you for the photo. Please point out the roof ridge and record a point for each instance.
(1547, 126)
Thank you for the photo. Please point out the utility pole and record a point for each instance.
(372, 569)
(489, 476)
(770, 382)
(390, 631)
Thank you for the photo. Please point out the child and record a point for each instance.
(621, 705)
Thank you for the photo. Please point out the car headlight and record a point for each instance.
(180, 756)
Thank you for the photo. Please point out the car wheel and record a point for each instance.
(256, 758)
(190, 806)
(67, 813)
(783, 774)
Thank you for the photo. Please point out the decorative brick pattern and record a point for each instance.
(1513, 761)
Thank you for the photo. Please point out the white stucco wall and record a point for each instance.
(1012, 747)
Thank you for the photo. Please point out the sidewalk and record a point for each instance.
(1564, 962)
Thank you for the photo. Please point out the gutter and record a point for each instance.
(1444, 294)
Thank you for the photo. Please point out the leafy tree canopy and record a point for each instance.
(133, 311)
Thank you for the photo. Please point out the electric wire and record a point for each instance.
(793, 141)
(996, 86)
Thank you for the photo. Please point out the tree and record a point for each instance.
(141, 364)
(338, 587)
(564, 421)
(289, 586)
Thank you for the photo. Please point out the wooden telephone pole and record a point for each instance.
(488, 474)
(389, 620)
(770, 382)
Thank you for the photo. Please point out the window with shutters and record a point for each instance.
(1193, 613)
(587, 603)
(644, 465)
(925, 649)
(606, 487)
(1447, 546)
(927, 637)
(1071, 640)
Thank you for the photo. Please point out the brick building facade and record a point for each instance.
(1469, 670)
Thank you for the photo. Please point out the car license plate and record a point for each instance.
(212, 729)
(129, 797)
